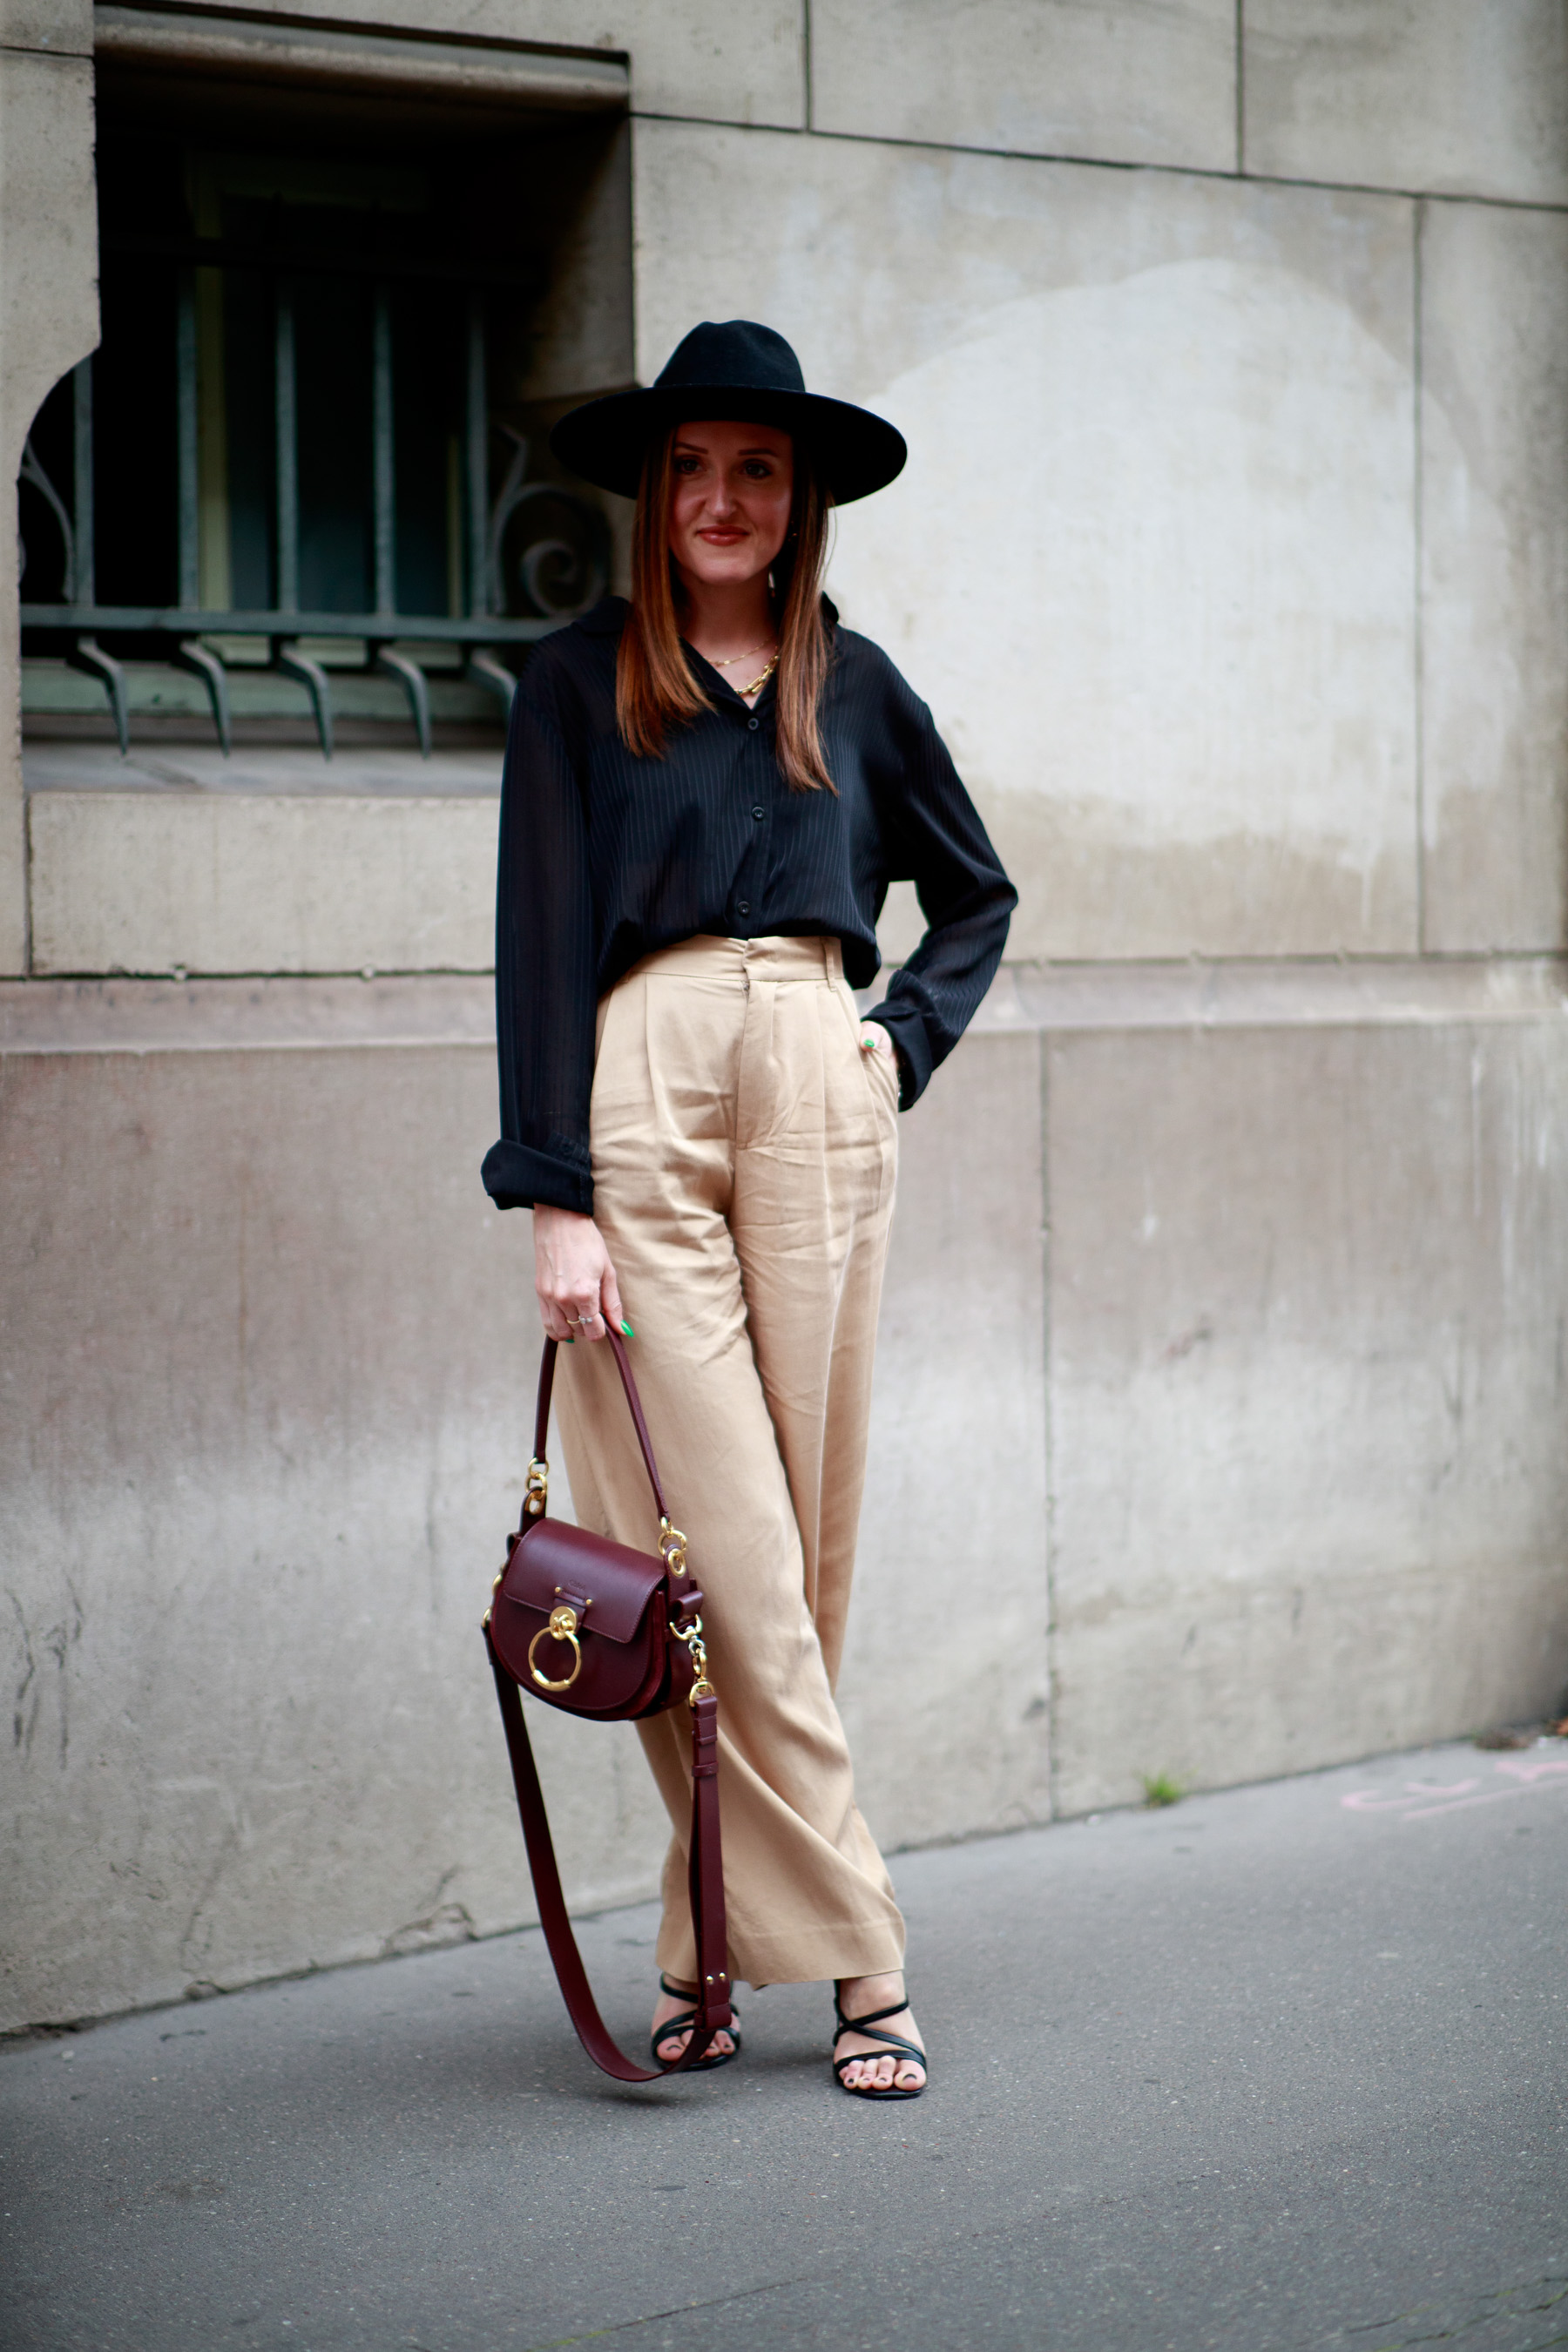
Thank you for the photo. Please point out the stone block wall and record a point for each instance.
(1221, 1389)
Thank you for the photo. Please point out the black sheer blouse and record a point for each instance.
(605, 857)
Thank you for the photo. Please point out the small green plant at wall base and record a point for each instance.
(1159, 1788)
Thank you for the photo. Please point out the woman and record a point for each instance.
(707, 793)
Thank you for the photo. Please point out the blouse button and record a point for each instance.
(745, 906)
(759, 814)
(753, 724)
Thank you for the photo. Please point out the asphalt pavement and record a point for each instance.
(1281, 2067)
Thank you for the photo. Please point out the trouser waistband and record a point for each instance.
(747, 961)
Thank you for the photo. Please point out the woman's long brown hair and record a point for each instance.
(654, 686)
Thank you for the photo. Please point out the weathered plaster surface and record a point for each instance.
(1494, 460)
(1125, 82)
(955, 1490)
(1279, 1439)
(1147, 418)
(1309, 1492)
(259, 1465)
(57, 27)
(259, 1454)
(1223, 1354)
(1443, 95)
(48, 321)
(151, 882)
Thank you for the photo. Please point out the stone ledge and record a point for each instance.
(1396, 991)
(455, 1008)
(215, 1016)
(304, 49)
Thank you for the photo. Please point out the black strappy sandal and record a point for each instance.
(867, 2026)
(688, 2018)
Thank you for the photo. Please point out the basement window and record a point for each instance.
(300, 502)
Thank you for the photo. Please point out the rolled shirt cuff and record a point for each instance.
(516, 1176)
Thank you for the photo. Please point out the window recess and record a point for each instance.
(305, 475)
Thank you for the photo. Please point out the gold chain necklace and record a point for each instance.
(757, 684)
(734, 658)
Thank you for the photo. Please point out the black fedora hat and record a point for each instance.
(740, 371)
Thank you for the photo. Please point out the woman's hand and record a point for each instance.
(573, 1275)
(875, 1039)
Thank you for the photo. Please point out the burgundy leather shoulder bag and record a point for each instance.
(611, 1634)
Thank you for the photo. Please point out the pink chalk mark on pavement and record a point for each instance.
(1526, 1774)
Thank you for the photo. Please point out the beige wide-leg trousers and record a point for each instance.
(744, 1156)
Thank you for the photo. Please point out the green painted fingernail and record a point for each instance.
(629, 1332)
(571, 1343)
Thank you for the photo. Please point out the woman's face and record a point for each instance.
(730, 506)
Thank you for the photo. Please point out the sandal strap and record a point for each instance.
(893, 2041)
(856, 2025)
(685, 2021)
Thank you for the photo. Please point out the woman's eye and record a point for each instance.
(758, 470)
(686, 464)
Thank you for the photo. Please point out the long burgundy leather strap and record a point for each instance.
(706, 1878)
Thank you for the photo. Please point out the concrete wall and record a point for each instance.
(1257, 1463)
(48, 321)
(1494, 547)
(1221, 1395)
(1200, 392)
(263, 1449)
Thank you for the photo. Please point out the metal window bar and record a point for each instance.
(187, 412)
(477, 458)
(76, 534)
(381, 453)
(407, 673)
(286, 460)
(82, 587)
(482, 634)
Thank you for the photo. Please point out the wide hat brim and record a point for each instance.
(605, 441)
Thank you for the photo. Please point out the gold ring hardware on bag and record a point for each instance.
(562, 1627)
(537, 1493)
(672, 1548)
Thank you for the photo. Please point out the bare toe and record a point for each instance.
(873, 2070)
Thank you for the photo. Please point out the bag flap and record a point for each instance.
(617, 1584)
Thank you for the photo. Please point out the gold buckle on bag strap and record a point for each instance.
(692, 1636)
(672, 1551)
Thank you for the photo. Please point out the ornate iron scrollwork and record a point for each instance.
(545, 558)
(32, 473)
(549, 549)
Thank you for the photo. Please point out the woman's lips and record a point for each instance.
(722, 538)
